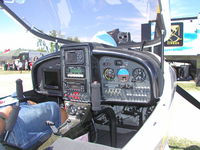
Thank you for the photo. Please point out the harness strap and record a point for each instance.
(188, 96)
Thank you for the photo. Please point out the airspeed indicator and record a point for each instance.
(109, 74)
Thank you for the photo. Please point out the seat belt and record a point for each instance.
(188, 96)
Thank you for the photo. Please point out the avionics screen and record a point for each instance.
(72, 57)
(51, 79)
(75, 56)
(75, 71)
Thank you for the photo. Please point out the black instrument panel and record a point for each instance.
(124, 76)
(123, 80)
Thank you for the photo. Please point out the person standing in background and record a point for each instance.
(20, 66)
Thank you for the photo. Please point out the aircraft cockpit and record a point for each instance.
(115, 86)
(116, 92)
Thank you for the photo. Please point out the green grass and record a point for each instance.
(183, 144)
(189, 86)
(2, 72)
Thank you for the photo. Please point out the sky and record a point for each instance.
(184, 8)
(13, 35)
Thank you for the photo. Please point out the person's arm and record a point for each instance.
(2, 124)
(4, 113)
(64, 115)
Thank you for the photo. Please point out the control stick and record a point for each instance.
(19, 89)
(95, 96)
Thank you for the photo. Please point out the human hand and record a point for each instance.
(6, 111)
(64, 115)
(31, 102)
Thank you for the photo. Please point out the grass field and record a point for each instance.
(189, 86)
(183, 144)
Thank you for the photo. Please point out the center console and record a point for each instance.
(76, 79)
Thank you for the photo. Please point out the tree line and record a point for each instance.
(50, 47)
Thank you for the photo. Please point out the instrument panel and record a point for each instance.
(124, 80)
(124, 76)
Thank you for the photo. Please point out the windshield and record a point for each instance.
(82, 19)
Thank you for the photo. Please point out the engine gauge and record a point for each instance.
(139, 75)
(123, 75)
(109, 74)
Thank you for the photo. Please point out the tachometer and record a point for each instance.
(138, 75)
(109, 74)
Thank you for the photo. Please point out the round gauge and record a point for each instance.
(109, 74)
(139, 75)
(123, 75)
